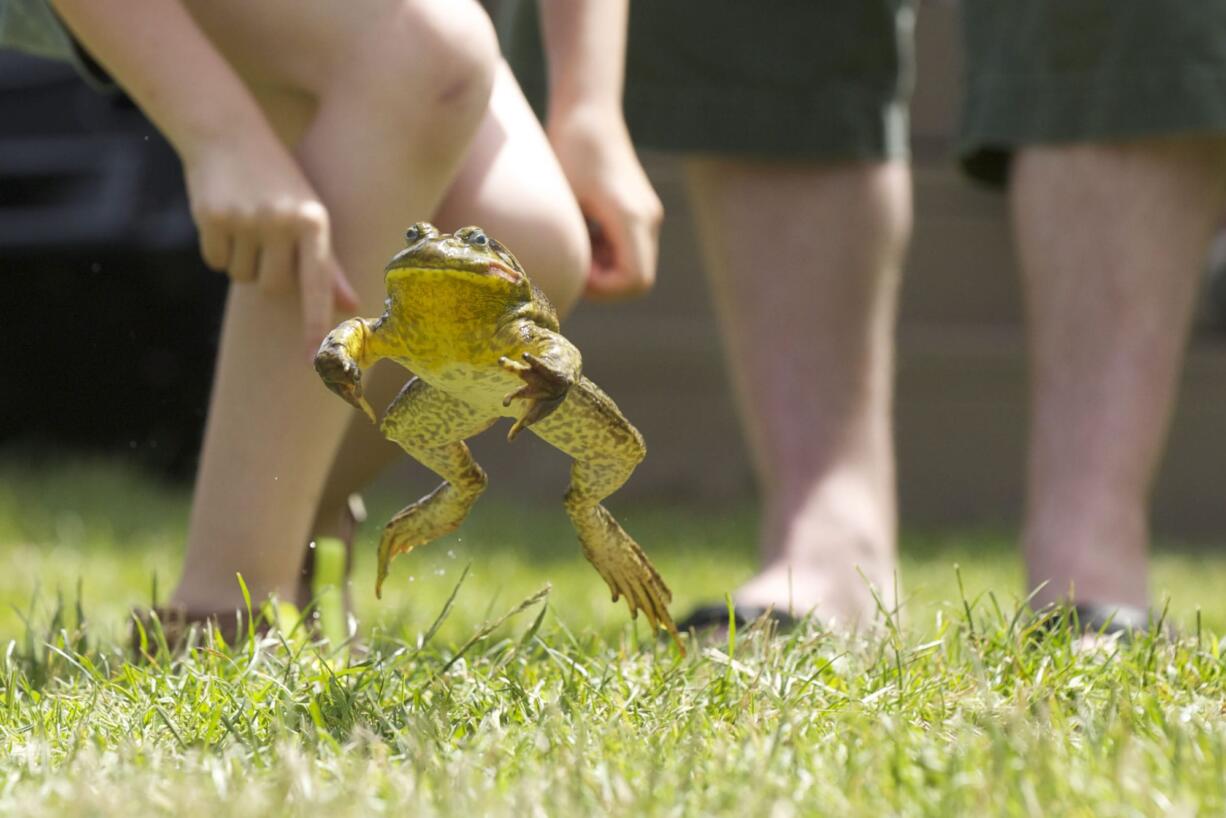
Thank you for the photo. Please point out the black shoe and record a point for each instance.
(715, 616)
(1096, 619)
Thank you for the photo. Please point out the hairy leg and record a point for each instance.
(510, 184)
(805, 262)
(396, 91)
(1112, 239)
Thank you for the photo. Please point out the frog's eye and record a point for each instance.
(475, 236)
(421, 231)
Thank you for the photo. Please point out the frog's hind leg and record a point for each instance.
(430, 426)
(606, 449)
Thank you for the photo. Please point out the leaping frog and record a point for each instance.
(484, 343)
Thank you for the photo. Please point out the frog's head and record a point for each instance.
(467, 253)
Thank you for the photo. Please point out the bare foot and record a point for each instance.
(838, 591)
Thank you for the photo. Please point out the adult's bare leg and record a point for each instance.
(399, 89)
(805, 262)
(1112, 238)
(510, 184)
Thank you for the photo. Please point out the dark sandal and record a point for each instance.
(1097, 618)
(175, 625)
(715, 615)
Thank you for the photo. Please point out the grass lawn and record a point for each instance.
(565, 708)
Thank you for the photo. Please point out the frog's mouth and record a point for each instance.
(502, 271)
(495, 269)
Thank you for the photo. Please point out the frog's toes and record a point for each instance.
(645, 592)
(512, 366)
(341, 374)
(628, 572)
(392, 543)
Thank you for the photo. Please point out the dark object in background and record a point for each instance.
(1215, 283)
(113, 316)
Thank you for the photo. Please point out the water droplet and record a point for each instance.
(412, 579)
(312, 544)
(438, 572)
(451, 553)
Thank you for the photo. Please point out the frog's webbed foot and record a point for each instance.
(544, 388)
(606, 448)
(439, 512)
(622, 564)
(340, 371)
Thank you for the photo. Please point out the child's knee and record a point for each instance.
(437, 60)
(562, 252)
(551, 241)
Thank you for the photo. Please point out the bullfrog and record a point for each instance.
(484, 343)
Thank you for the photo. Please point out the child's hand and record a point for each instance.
(622, 209)
(260, 221)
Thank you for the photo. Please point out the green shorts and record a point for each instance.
(1063, 71)
(786, 78)
(31, 26)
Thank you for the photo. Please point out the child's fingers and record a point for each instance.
(276, 269)
(346, 297)
(215, 246)
(624, 253)
(604, 281)
(244, 256)
(640, 243)
(316, 274)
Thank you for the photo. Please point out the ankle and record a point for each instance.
(200, 595)
(1101, 567)
(839, 587)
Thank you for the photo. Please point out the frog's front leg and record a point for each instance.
(347, 350)
(549, 366)
(430, 426)
(606, 448)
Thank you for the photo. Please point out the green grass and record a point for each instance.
(566, 708)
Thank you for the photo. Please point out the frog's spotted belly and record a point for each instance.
(481, 386)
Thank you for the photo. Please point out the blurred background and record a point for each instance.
(116, 323)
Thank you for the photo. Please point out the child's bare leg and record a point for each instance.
(808, 321)
(399, 90)
(1109, 305)
(511, 185)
